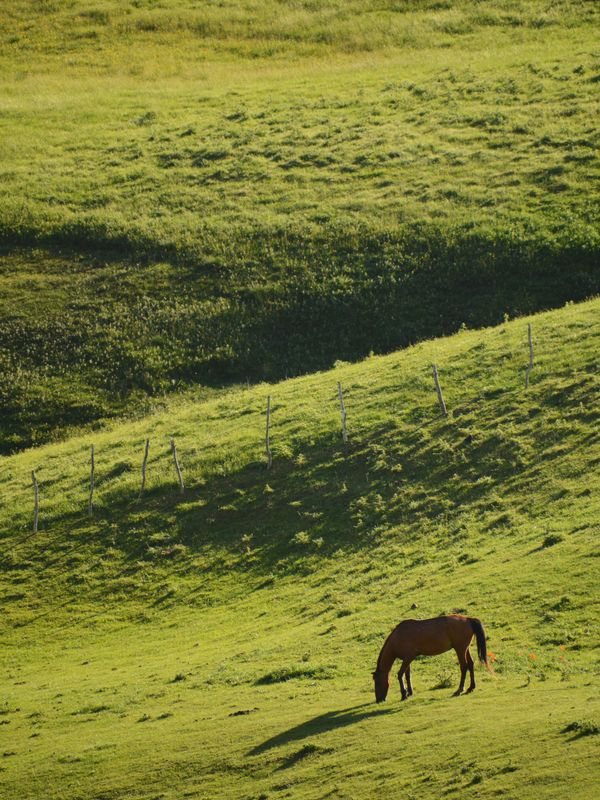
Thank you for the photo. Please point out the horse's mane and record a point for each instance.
(382, 649)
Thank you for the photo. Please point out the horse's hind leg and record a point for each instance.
(462, 660)
(471, 671)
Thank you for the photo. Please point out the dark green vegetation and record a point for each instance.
(85, 338)
(220, 193)
(220, 644)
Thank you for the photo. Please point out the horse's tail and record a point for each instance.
(481, 642)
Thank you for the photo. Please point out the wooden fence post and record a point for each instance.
(92, 481)
(144, 469)
(267, 440)
(343, 412)
(177, 467)
(530, 365)
(36, 501)
(438, 389)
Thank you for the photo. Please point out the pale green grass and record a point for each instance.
(110, 721)
(450, 112)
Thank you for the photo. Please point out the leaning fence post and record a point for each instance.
(144, 469)
(530, 365)
(36, 501)
(438, 389)
(343, 412)
(92, 477)
(267, 440)
(177, 467)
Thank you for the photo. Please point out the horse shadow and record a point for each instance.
(321, 724)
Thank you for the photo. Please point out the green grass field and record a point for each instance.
(214, 192)
(208, 203)
(220, 644)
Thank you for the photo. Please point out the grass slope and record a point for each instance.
(279, 185)
(127, 117)
(220, 644)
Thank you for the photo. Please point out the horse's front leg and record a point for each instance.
(402, 689)
(404, 669)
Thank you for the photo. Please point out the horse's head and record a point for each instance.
(382, 685)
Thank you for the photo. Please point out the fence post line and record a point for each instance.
(530, 365)
(92, 482)
(177, 467)
(438, 389)
(267, 431)
(144, 469)
(36, 501)
(343, 412)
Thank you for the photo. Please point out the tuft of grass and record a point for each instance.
(444, 681)
(306, 751)
(92, 709)
(582, 728)
(283, 674)
(551, 540)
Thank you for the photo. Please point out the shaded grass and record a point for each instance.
(116, 337)
(505, 467)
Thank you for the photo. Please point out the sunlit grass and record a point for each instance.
(221, 644)
(151, 125)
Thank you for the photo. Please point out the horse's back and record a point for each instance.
(430, 637)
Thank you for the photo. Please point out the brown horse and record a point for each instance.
(429, 637)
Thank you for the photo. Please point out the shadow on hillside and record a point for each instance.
(318, 499)
(299, 508)
(327, 498)
(323, 723)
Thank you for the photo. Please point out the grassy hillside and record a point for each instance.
(171, 123)
(252, 190)
(220, 644)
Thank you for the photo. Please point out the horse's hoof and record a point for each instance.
(470, 689)
(404, 696)
(457, 693)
